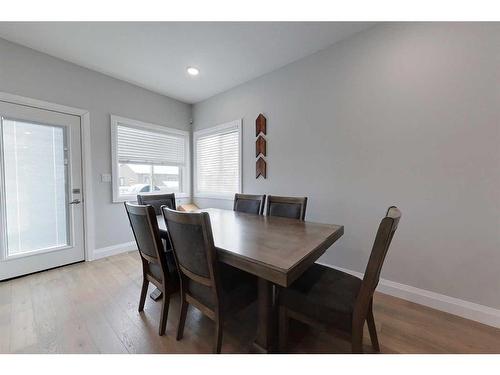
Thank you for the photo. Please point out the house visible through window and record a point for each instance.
(217, 153)
(148, 159)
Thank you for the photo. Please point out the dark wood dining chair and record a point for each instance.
(291, 207)
(157, 200)
(251, 204)
(212, 287)
(156, 267)
(327, 298)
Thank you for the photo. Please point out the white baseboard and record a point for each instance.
(465, 309)
(104, 252)
(469, 310)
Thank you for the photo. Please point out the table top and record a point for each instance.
(274, 248)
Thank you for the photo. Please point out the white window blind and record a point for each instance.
(136, 145)
(148, 158)
(218, 160)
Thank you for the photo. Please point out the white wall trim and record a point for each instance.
(35, 103)
(88, 197)
(107, 251)
(88, 202)
(465, 309)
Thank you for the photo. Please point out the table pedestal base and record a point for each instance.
(156, 294)
(265, 341)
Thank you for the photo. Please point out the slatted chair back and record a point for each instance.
(157, 200)
(194, 250)
(145, 228)
(291, 207)
(248, 203)
(371, 278)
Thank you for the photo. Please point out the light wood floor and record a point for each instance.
(92, 308)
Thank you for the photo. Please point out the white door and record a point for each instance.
(41, 215)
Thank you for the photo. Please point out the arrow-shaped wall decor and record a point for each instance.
(260, 168)
(260, 146)
(260, 125)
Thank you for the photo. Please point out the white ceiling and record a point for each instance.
(155, 55)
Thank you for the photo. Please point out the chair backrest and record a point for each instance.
(145, 228)
(157, 200)
(251, 204)
(383, 239)
(291, 207)
(194, 250)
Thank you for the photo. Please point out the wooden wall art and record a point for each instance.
(260, 125)
(260, 167)
(260, 146)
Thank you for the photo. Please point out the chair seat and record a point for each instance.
(238, 289)
(323, 293)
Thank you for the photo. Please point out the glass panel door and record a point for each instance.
(36, 184)
(41, 215)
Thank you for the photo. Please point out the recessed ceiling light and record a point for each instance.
(192, 71)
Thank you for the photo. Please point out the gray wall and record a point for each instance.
(404, 114)
(33, 74)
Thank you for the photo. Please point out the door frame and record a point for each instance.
(87, 196)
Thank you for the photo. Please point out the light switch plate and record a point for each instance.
(105, 177)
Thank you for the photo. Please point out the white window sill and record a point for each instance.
(228, 197)
(133, 198)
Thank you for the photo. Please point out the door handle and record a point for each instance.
(75, 201)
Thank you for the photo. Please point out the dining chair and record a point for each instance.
(291, 207)
(329, 298)
(157, 200)
(156, 267)
(212, 287)
(251, 204)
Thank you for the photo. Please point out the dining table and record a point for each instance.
(277, 250)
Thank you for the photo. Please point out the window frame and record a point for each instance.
(221, 128)
(185, 178)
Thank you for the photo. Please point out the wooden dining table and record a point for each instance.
(277, 250)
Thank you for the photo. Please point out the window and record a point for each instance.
(217, 155)
(34, 160)
(148, 158)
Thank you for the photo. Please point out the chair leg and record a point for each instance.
(357, 337)
(370, 320)
(283, 329)
(218, 335)
(182, 318)
(144, 292)
(164, 314)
